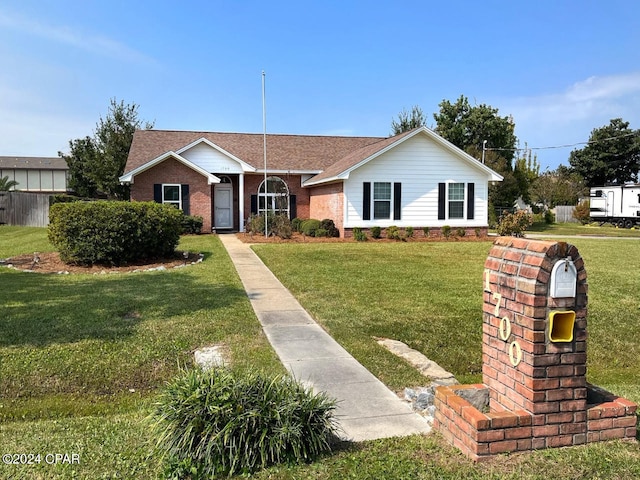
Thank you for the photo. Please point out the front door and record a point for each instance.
(223, 202)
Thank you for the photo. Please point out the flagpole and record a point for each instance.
(264, 148)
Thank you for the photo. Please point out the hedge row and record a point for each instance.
(107, 232)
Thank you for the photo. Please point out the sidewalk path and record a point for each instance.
(367, 409)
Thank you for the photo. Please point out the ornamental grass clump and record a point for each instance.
(223, 422)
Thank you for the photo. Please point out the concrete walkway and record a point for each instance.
(367, 409)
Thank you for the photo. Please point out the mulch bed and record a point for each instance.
(50, 263)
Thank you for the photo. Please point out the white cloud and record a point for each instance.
(568, 117)
(92, 43)
(593, 97)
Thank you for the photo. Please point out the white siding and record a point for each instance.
(419, 165)
(211, 160)
(37, 180)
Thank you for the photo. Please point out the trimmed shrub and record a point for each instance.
(514, 224)
(280, 225)
(478, 232)
(425, 230)
(376, 232)
(296, 224)
(330, 227)
(582, 212)
(461, 232)
(218, 422)
(191, 224)
(108, 232)
(408, 232)
(446, 231)
(393, 233)
(321, 233)
(310, 226)
(359, 235)
(255, 224)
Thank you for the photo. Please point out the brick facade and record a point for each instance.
(173, 171)
(539, 396)
(327, 201)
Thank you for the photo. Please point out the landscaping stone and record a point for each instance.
(479, 398)
(210, 357)
(427, 367)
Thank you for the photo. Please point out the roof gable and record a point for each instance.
(203, 142)
(130, 176)
(342, 169)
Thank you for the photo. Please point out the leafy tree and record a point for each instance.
(6, 184)
(526, 170)
(81, 159)
(468, 127)
(612, 155)
(408, 121)
(95, 163)
(558, 187)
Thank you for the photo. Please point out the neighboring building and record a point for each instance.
(36, 174)
(415, 179)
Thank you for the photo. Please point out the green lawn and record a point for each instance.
(592, 230)
(81, 356)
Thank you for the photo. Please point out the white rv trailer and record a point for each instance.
(617, 204)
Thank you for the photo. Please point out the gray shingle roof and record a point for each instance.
(34, 163)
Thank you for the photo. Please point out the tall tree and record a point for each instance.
(6, 184)
(558, 187)
(468, 127)
(611, 156)
(408, 121)
(80, 160)
(95, 163)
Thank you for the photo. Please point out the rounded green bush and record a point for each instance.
(108, 232)
(310, 226)
(220, 422)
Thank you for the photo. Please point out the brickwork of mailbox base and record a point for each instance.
(534, 359)
(481, 435)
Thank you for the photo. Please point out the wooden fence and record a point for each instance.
(564, 214)
(24, 209)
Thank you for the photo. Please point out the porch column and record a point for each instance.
(241, 200)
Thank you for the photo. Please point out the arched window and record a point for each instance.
(276, 197)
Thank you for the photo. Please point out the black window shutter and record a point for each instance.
(157, 192)
(397, 200)
(442, 200)
(254, 204)
(366, 200)
(185, 199)
(293, 208)
(470, 200)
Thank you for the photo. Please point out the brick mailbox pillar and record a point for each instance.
(534, 356)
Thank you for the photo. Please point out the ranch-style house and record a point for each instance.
(415, 179)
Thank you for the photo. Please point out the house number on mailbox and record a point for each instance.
(504, 330)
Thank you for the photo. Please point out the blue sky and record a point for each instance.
(560, 68)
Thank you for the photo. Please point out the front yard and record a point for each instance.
(81, 356)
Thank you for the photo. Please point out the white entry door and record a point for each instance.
(223, 202)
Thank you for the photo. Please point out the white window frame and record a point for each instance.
(389, 200)
(270, 198)
(457, 200)
(177, 203)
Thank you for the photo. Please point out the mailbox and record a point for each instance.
(563, 279)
